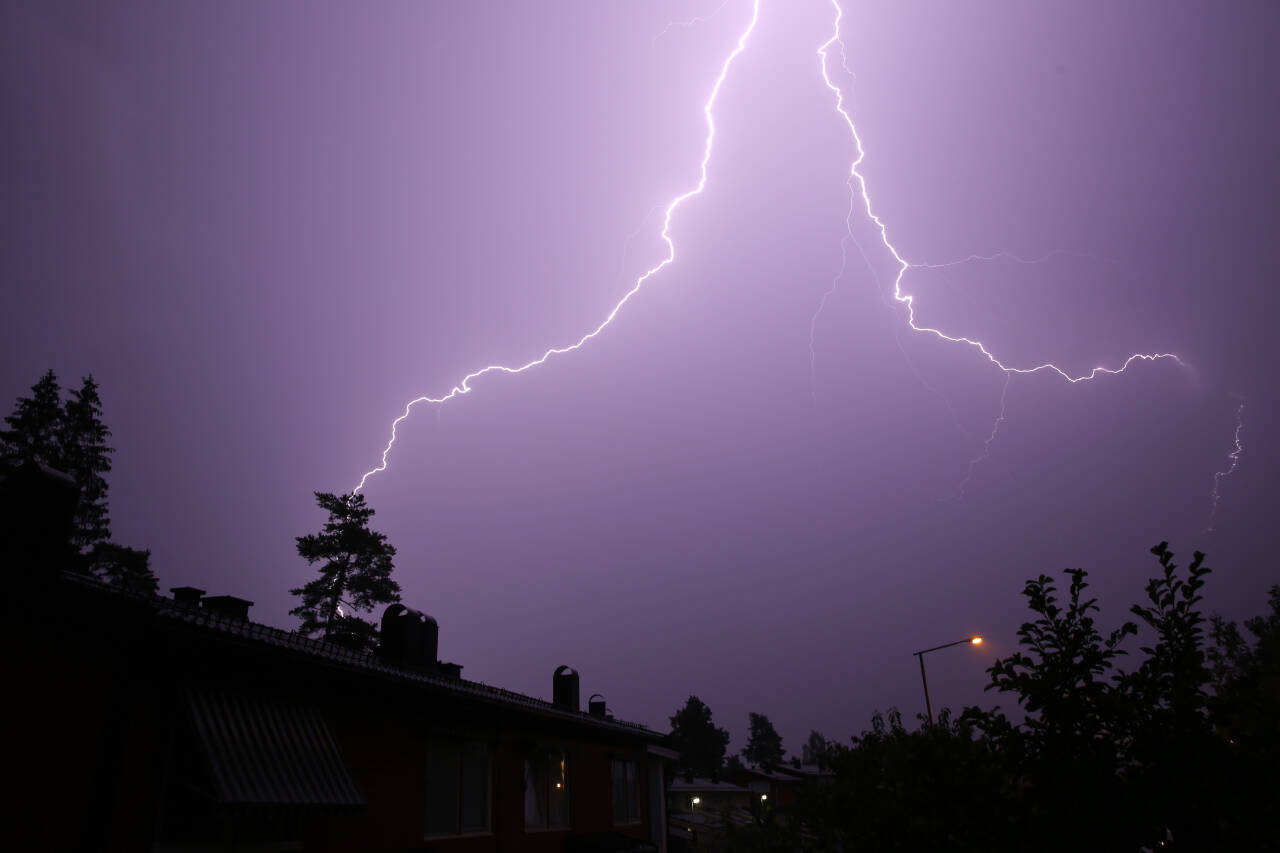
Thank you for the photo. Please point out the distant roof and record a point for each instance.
(703, 785)
(200, 619)
(784, 774)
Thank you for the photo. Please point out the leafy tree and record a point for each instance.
(815, 749)
(764, 744)
(1173, 758)
(1244, 708)
(1069, 748)
(356, 572)
(35, 427)
(1102, 760)
(86, 457)
(935, 788)
(700, 743)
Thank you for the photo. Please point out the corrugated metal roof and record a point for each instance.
(263, 752)
(167, 608)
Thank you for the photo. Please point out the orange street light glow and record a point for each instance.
(977, 641)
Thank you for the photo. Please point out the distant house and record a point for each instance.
(783, 786)
(697, 809)
(156, 723)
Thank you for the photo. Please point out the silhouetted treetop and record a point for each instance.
(764, 744)
(355, 571)
(700, 743)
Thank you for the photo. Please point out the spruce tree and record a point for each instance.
(356, 572)
(35, 427)
(71, 437)
(87, 458)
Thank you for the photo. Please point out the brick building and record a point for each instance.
(146, 722)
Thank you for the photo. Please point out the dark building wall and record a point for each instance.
(106, 746)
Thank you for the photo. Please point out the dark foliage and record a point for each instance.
(355, 572)
(1244, 711)
(769, 831)
(935, 788)
(815, 750)
(127, 568)
(71, 437)
(35, 427)
(700, 743)
(764, 744)
(1178, 753)
(87, 458)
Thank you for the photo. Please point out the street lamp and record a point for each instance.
(693, 805)
(973, 641)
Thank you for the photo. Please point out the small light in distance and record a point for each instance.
(764, 797)
(977, 641)
(697, 800)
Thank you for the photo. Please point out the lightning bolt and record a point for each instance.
(464, 386)
(692, 22)
(1218, 476)
(903, 265)
(858, 183)
(986, 445)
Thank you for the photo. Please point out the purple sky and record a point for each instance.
(265, 227)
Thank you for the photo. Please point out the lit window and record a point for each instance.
(626, 791)
(546, 791)
(457, 788)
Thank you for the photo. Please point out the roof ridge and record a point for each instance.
(171, 609)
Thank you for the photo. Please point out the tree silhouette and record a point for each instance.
(764, 744)
(815, 749)
(35, 427)
(1244, 710)
(72, 437)
(127, 568)
(700, 743)
(87, 458)
(936, 788)
(356, 572)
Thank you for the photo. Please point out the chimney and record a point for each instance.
(595, 706)
(408, 638)
(564, 689)
(37, 504)
(228, 605)
(187, 596)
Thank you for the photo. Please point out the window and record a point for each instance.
(457, 788)
(626, 791)
(546, 791)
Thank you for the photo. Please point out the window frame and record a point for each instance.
(457, 748)
(545, 758)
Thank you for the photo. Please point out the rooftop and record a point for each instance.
(186, 616)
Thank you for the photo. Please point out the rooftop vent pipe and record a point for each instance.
(564, 688)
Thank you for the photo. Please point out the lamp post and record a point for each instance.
(973, 641)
